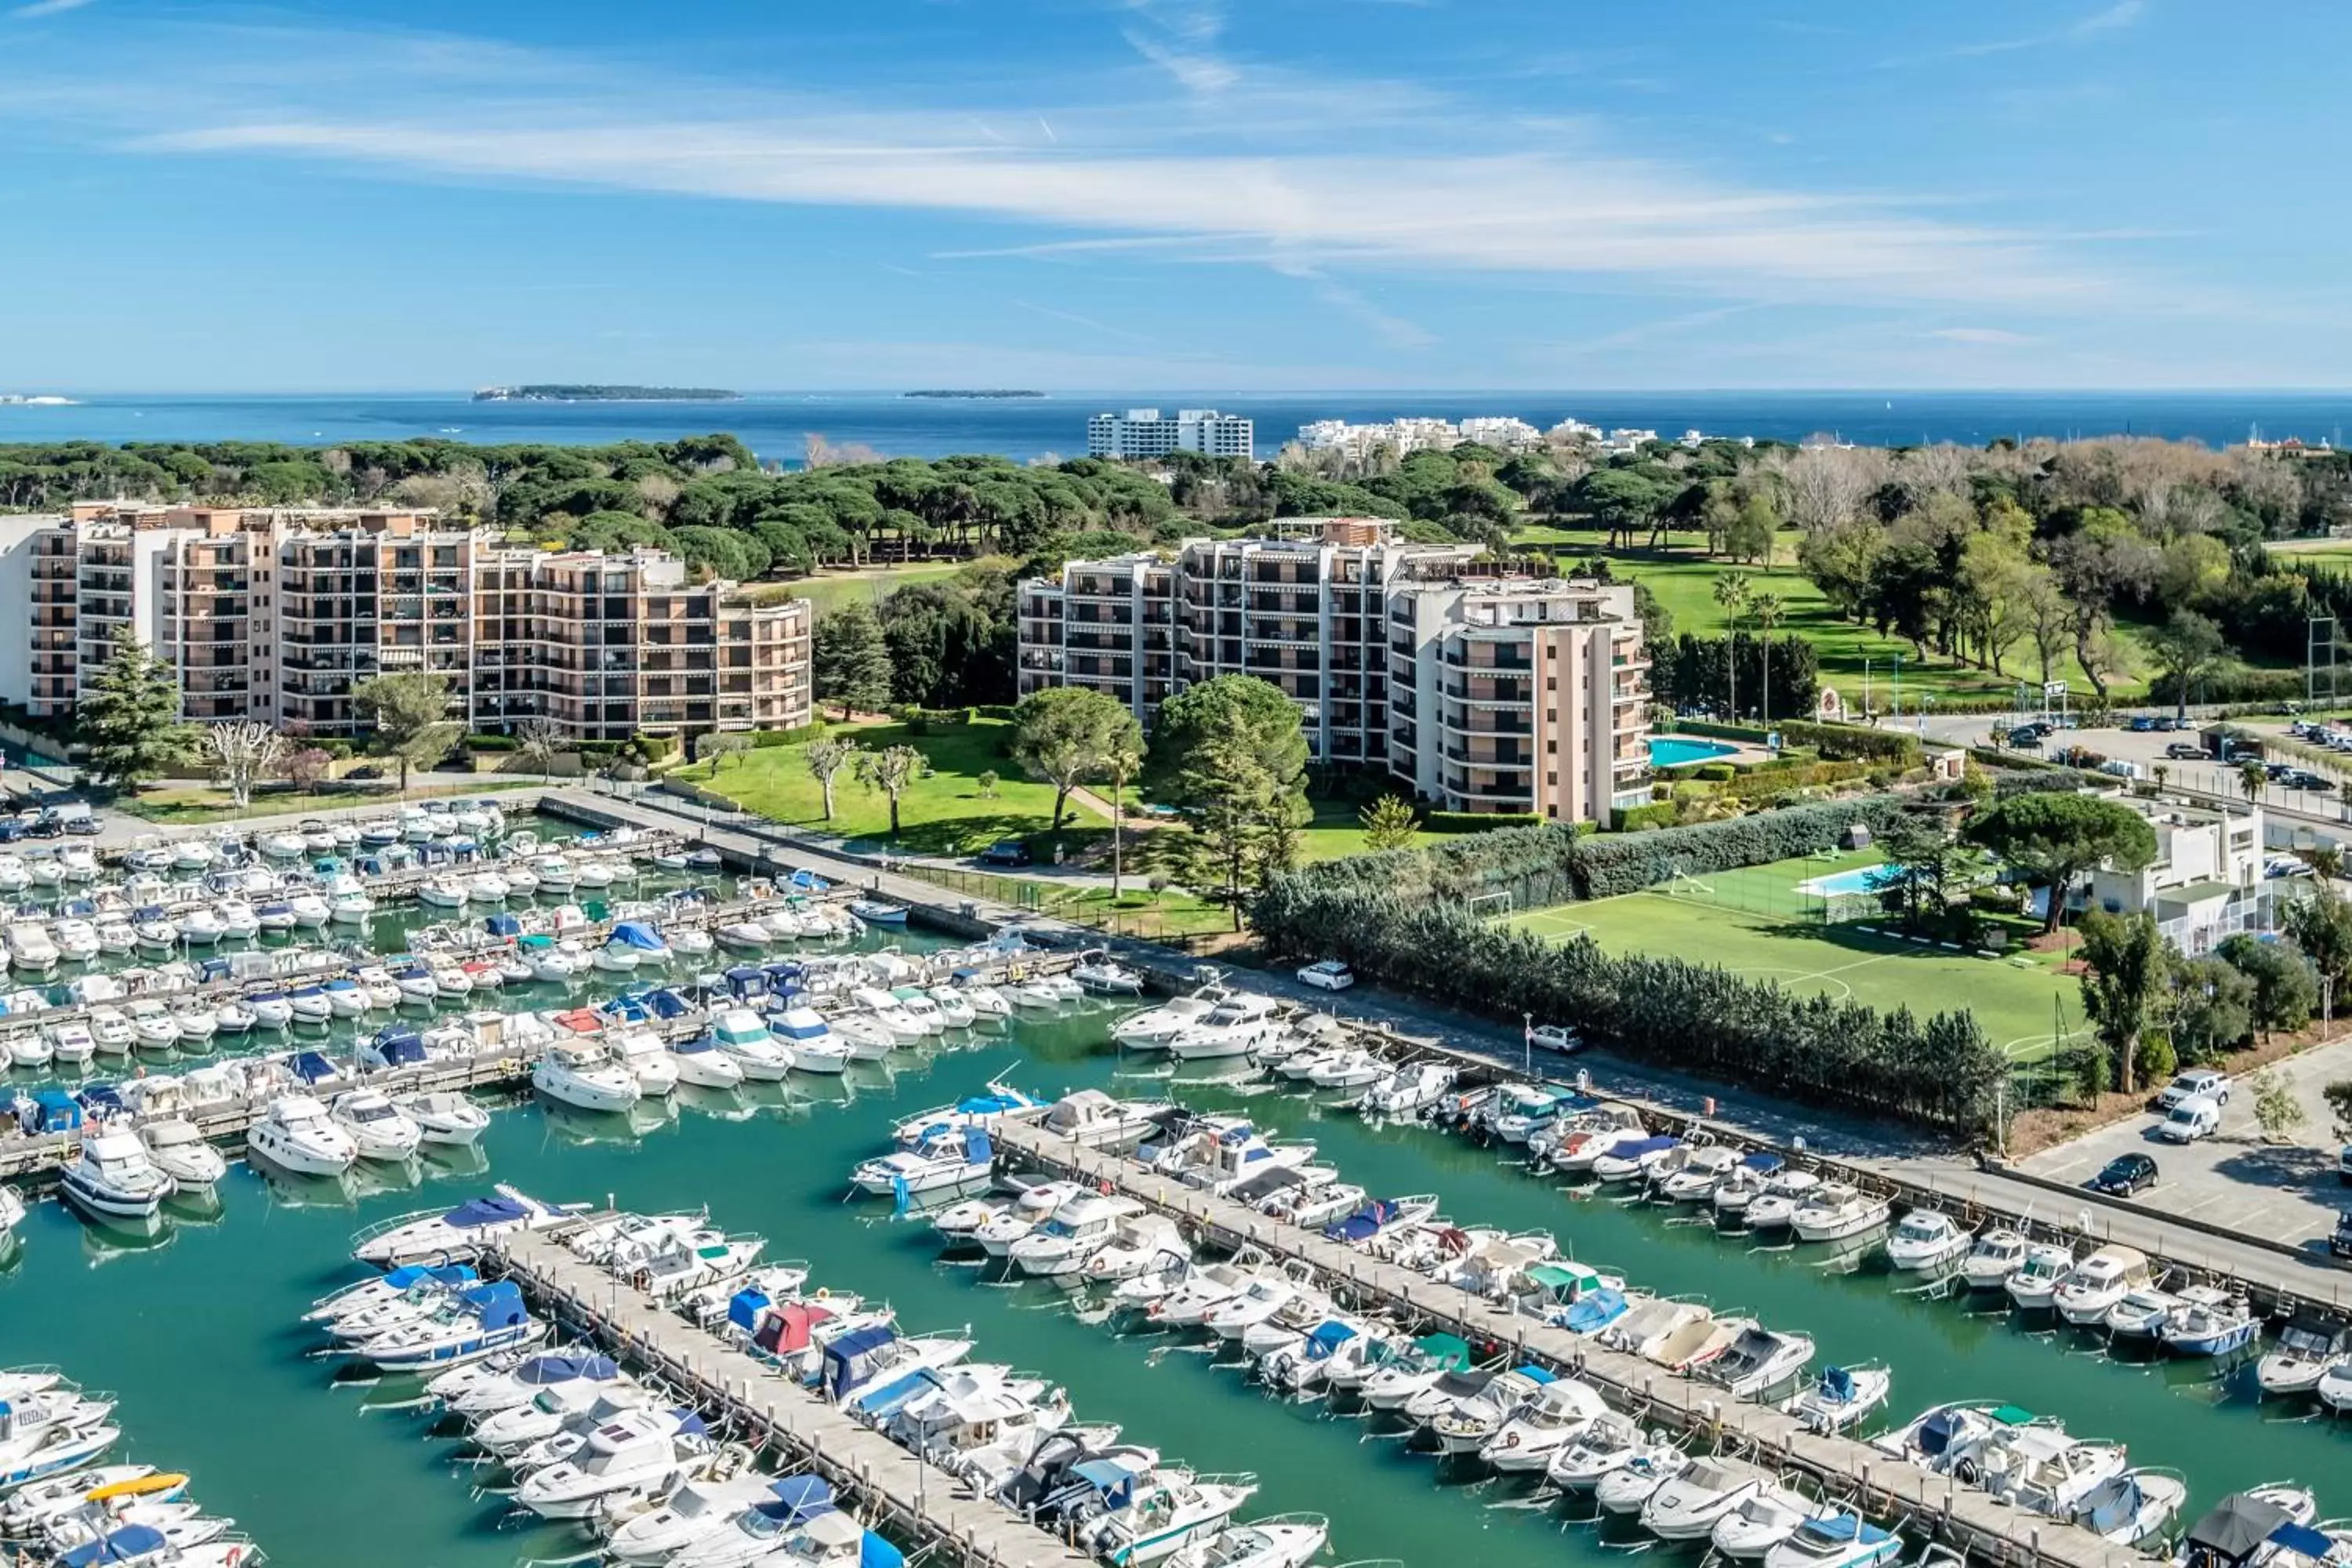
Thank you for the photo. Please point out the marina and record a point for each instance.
(772, 1156)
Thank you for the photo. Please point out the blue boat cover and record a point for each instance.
(886, 1399)
(545, 1369)
(1640, 1146)
(498, 1305)
(743, 1308)
(399, 1050)
(845, 1358)
(802, 1495)
(669, 1004)
(1328, 1337)
(1936, 1433)
(132, 1540)
(1764, 1163)
(311, 1066)
(503, 925)
(101, 1099)
(496, 1209)
(1533, 1374)
(808, 882)
(1843, 1526)
(2299, 1539)
(57, 1112)
(638, 935)
(782, 971)
(212, 969)
(873, 1551)
(1115, 1479)
(1357, 1226)
(977, 1149)
(1837, 1383)
(1595, 1310)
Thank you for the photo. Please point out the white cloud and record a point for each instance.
(1988, 337)
(2123, 13)
(46, 9)
(1179, 36)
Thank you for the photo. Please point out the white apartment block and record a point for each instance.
(1142, 433)
(273, 615)
(1351, 624)
(2206, 882)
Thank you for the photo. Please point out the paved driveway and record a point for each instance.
(2288, 1191)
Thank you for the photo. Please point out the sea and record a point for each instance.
(777, 426)
(193, 1324)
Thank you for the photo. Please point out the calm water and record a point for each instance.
(776, 424)
(195, 1329)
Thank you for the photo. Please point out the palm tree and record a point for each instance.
(1768, 609)
(2160, 773)
(2251, 777)
(2326, 860)
(1121, 760)
(1731, 593)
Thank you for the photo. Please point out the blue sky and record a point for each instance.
(1249, 195)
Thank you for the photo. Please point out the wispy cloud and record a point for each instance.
(40, 8)
(2123, 13)
(1180, 36)
(2114, 18)
(1982, 337)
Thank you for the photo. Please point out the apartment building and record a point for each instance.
(1142, 433)
(1518, 694)
(1302, 609)
(273, 615)
(2207, 881)
(1478, 692)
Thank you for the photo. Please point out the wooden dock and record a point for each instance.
(739, 1393)
(1843, 1468)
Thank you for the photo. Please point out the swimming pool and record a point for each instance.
(1677, 751)
(1860, 879)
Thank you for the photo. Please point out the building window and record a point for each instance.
(1551, 683)
(1551, 749)
(1552, 778)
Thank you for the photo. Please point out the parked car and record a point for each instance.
(2142, 723)
(2184, 752)
(2195, 1083)
(2126, 1175)
(2192, 1118)
(2340, 1244)
(2304, 778)
(11, 830)
(45, 825)
(2025, 738)
(85, 824)
(1331, 975)
(1006, 852)
(2344, 1166)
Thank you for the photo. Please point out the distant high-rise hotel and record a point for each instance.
(273, 614)
(1478, 690)
(1142, 433)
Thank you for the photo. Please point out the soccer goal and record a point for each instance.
(1683, 885)
(1492, 906)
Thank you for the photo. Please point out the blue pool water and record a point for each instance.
(1860, 879)
(1674, 751)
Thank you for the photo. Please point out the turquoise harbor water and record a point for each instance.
(195, 1329)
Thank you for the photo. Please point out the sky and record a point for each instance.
(1253, 195)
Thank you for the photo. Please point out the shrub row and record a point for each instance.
(1854, 743)
(799, 734)
(1639, 818)
(1687, 1016)
(492, 743)
(1476, 821)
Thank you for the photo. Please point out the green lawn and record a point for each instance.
(195, 805)
(2013, 998)
(829, 590)
(942, 814)
(1684, 580)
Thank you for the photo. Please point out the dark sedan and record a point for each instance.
(2126, 1175)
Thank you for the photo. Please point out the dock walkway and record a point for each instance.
(1843, 1468)
(733, 1389)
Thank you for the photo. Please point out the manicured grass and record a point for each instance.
(197, 805)
(830, 591)
(2017, 1001)
(942, 814)
(1684, 578)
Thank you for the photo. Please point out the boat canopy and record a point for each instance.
(1266, 1184)
(1839, 1529)
(1114, 1478)
(1450, 1350)
(884, 1400)
(498, 1305)
(1764, 1163)
(537, 941)
(102, 1100)
(789, 1331)
(399, 1047)
(2235, 1528)
(744, 1307)
(401, 1278)
(1837, 1383)
(638, 935)
(1565, 1281)
(1328, 1337)
(2300, 1538)
(503, 924)
(1596, 1310)
(802, 1497)
(1753, 1347)
(807, 882)
(847, 1359)
(311, 1066)
(1635, 1148)
(128, 1544)
(53, 1111)
(545, 1369)
(496, 1209)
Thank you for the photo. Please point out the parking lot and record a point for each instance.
(2288, 1193)
(2146, 750)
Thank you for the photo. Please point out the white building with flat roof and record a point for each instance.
(1145, 433)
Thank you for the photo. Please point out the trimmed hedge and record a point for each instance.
(1687, 1016)
(1714, 730)
(1853, 742)
(492, 743)
(797, 736)
(1477, 821)
(1605, 866)
(1641, 818)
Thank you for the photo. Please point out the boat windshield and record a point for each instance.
(170, 1135)
(367, 1110)
(1919, 1230)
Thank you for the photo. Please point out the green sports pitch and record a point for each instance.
(1759, 921)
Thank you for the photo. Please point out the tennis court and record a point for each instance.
(1757, 921)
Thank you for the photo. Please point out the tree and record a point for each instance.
(890, 770)
(306, 767)
(2326, 860)
(1389, 824)
(2278, 1110)
(243, 753)
(2055, 838)
(718, 745)
(1768, 609)
(1731, 593)
(1065, 736)
(2186, 647)
(411, 713)
(2285, 985)
(2320, 924)
(1231, 755)
(540, 742)
(2213, 1007)
(1119, 764)
(2339, 1095)
(1752, 530)
(849, 660)
(987, 782)
(824, 758)
(129, 716)
(2124, 984)
(2253, 779)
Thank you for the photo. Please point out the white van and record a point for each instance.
(2194, 1118)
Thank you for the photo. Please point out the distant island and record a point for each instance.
(563, 392)
(973, 392)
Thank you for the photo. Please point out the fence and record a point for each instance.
(1186, 929)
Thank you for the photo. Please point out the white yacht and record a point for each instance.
(1688, 1507)
(180, 1151)
(584, 1077)
(115, 1178)
(1837, 1212)
(444, 1117)
(2096, 1286)
(744, 1038)
(1996, 1253)
(378, 1129)
(1927, 1241)
(296, 1134)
